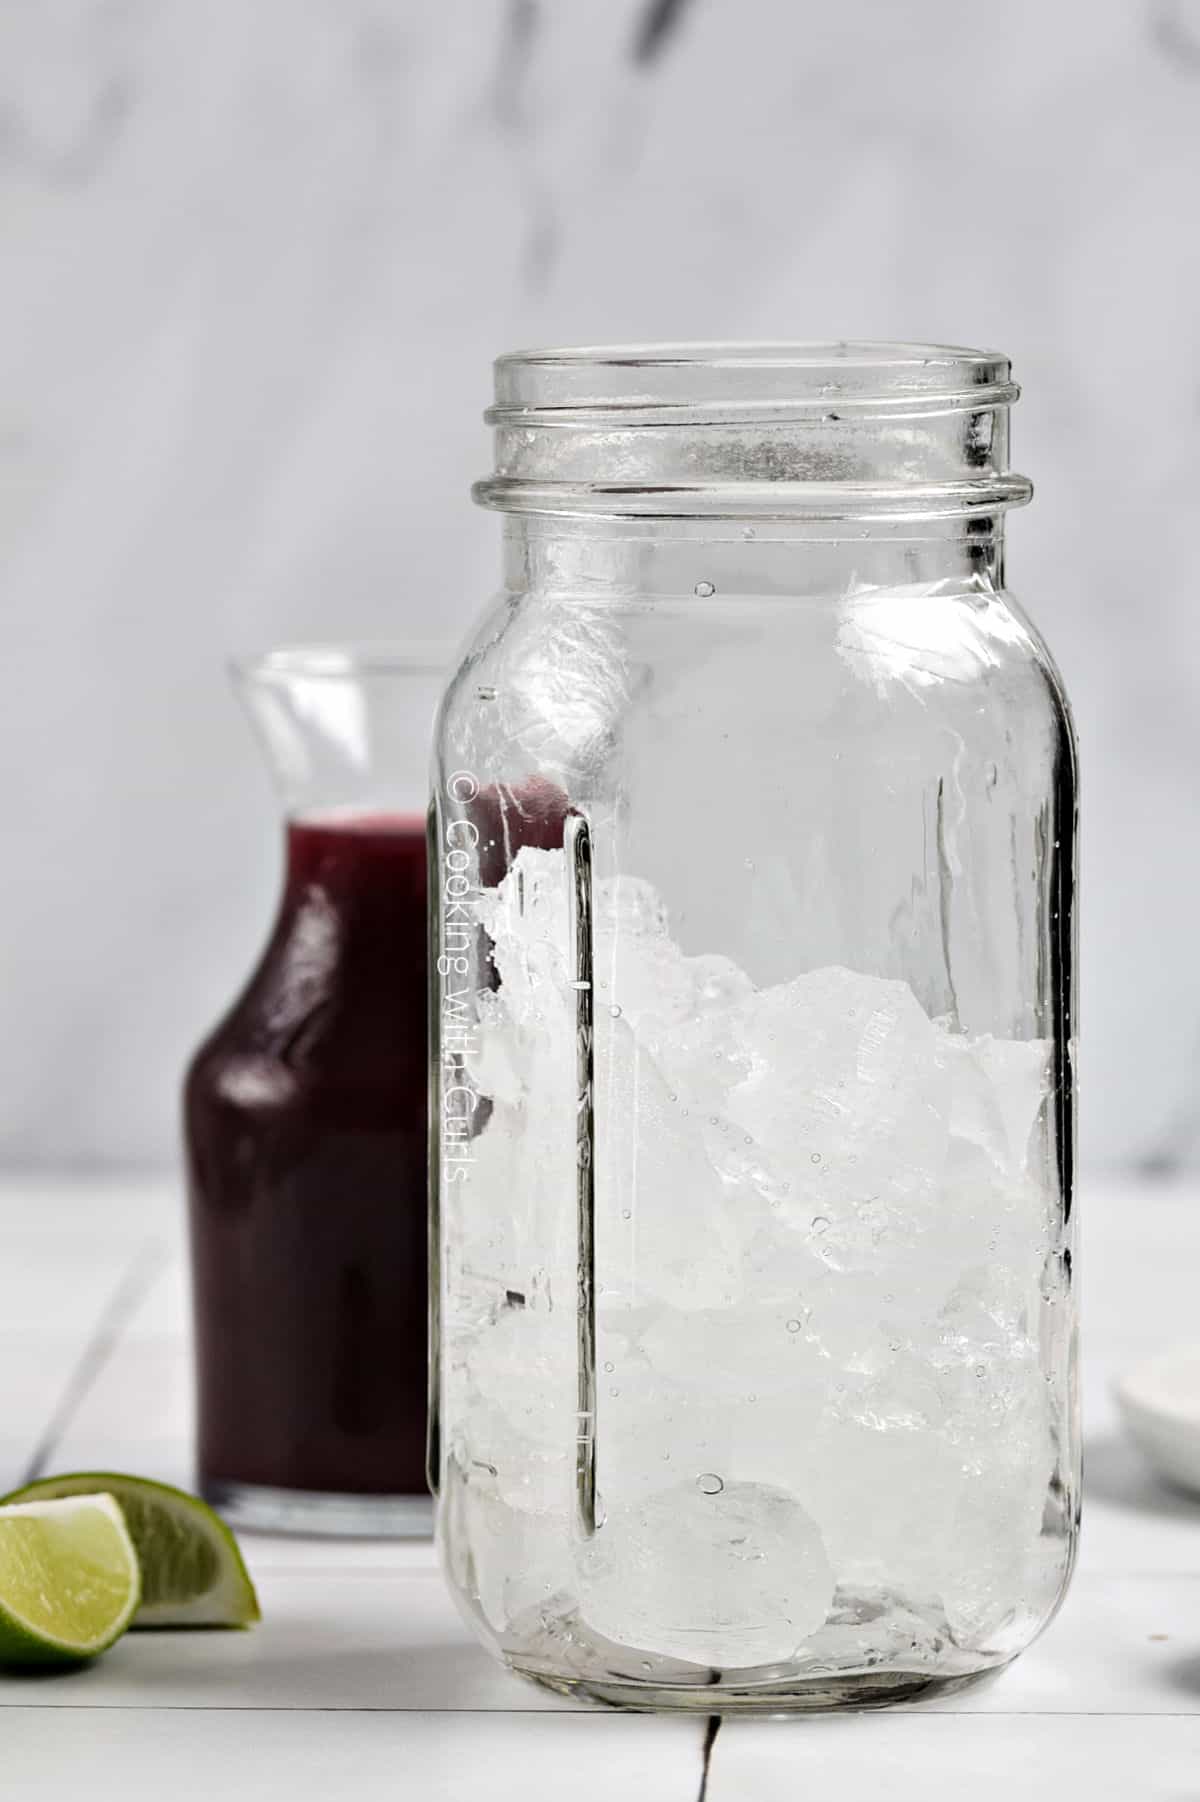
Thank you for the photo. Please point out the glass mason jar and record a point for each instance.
(305, 1121)
(754, 824)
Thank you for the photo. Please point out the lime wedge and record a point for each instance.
(69, 1582)
(192, 1570)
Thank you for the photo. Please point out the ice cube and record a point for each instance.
(1019, 1071)
(741, 1351)
(998, 1086)
(526, 919)
(495, 1246)
(717, 983)
(668, 1228)
(523, 1367)
(841, 1084)
(497, 1052)
(724, 1574)
(510, 1559)
(995, 1528)
(642, 972)
(883, 1492)
(713, 1389)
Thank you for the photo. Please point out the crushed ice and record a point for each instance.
(812, 1194)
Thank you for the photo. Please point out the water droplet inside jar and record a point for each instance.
(615, 1011)
(609, 1368)
(820, 1224)
(627, 1213)
(709, 1483)
(704, 589)
(815, 1157)
(485, 694)
(793, 1326)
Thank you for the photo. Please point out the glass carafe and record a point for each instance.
(755, 817)
(305, 1122)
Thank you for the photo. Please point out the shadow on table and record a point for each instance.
(434, 1676)
(1115, 1471)
(314, 1663)
(1183, 1676)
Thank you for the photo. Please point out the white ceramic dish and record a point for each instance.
(1160, 1404)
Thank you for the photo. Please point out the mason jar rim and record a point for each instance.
(730, 381)
(834, 429)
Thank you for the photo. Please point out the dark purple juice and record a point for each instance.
(305, 1121)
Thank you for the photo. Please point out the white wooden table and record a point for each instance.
(362, 1682)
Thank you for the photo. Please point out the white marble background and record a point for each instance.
(255, 256)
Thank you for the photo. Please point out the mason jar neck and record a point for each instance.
(770, 468)
(644, 559)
